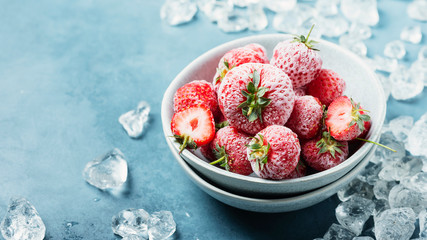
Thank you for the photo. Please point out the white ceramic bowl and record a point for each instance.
(272, 205)
(362, 85)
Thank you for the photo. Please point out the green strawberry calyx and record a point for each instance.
(303, 39)
(328, 144)
(255, 102)
(223, 71)
(221, 156)
(185, 141)
(358, 115)
(259, 151)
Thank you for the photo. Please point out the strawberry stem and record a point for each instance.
(217, 161)
(308, 35)
(379, 144)
(184, 144)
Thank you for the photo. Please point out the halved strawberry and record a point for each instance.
(345, 120)
(193, 127)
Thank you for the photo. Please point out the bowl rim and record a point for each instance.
(357, 156)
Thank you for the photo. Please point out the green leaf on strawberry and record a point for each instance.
(328, 144)
(305, 41)
(259, 151)
(255, 101)
(359, 116)
(221, 156)
(223, 72)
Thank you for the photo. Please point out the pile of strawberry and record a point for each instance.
(271, 117)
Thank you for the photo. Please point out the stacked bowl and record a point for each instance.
(263, 195)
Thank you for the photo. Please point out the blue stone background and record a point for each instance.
(69, 69)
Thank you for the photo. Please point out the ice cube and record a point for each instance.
(423, 224)
(386, 156)
(397, 170)
(361, 11)
(161, 225)
(380, 206)
(133, 237)
(333, 26)
(370, 173)
(355, 188)
(382, 189)
(417, 138)
(176, 12)
(291, 21)
(396, 223)
(136, 120)
(107, 171)
(216, 10)
(131, 222)
(417, 182)
(353, 44)
(280, 5)
(327, 7)
(411, 34)
(401, 196)
(244, 3)
(405, 85)
(401, 126)
(395, 49)
(22, 221)
(257, 18)
(417, 10)
(359, 31)
(233, 23)
(385, 82)
(336, 231)
(385, 64)
(419, 69)
(353, 213)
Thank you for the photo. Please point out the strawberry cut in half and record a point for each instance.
(193, 127)
(345, 119)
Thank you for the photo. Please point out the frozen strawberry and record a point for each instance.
(327, 86)
(324, 152)
(229, 147)
(298, 59)
(299, 92)
(260, 49)
(299, 171)
(195, 93)
(345, 119)
(193, 127)
(254, 96)
(234, 58)
(306, 117)
(367, 126)
(274, 152)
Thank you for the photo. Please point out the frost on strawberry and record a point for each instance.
(324, 152)
(253, 96)
(274, 152)
(327, 86)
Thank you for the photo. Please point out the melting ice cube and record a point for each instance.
(136, 120)
(131, 222)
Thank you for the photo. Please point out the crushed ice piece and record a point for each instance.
(401, 196)
(419, 69)
(216, 10)
(417, 138)
(337, 231)
(422, 53)
(380, 206)
(133, 237)
(353, 44)
(395, 49)
(280, 5)
(131, 222)
(107, 171)
(291, 21)
(411, 34)
(417, 182)
(257, 18)
(397, 170)
(22, 221)
(388, 139)
(327, 7)
(395, 223)
(353, 213)
(355, 188)
(401, 126)
(136, 120)
(385, 82)
(385, 64)
(361, 11)
(370, 173)
(417, 10)
(382, 189)
(244, 3)
(423, 224)
(405, 85)
(176, 12)
(333, 26)
(359, 31)
(161, 225)
(233, 23)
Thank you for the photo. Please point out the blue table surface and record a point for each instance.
(68, 70)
